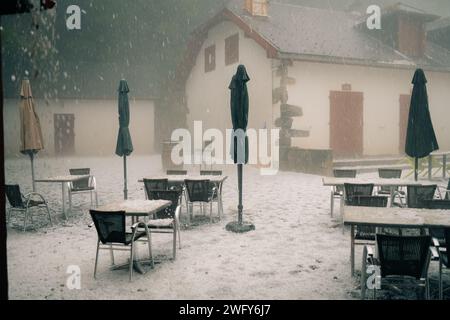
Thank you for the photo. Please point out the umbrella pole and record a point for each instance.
(416, 165)
(125, 190)
(240, 207)
(32, 171)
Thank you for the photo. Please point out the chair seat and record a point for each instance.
(160, 224)
(129, 236)
(82, 189)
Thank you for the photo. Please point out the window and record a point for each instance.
(232, 49)
(210, 58)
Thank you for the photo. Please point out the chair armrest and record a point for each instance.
(394, 195)
(28, 197)
(93, 182)
(177, 213)
(370, 251)
(214, 191)
(137, 225)
(434, 253)
(435, 242)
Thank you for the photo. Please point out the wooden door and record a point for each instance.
(405, 101)
(64, 134)
(346, 123)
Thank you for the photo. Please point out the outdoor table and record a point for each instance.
(135, 209)
(379, 182)
(64, 180)
(217, 180)
(444, 163)
(392, 217)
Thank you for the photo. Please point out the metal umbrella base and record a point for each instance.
(237, 227)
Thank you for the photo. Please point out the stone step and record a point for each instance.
(370, 161)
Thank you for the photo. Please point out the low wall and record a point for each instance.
(310, 161)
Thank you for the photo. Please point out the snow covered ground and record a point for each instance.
(296, 252)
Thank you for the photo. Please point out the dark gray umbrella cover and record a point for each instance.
(420, 137)
(124, 145)
(239, 114)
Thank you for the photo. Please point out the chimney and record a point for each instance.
(406, 29)
(257, 7)
(411, 36)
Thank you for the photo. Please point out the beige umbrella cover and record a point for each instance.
(30, 128)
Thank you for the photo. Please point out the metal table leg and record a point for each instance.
(64, 200)
(444, 166)
(430, 166)
(352, 250)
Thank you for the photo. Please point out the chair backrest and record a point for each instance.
(390, 173)
(210, 172)
(110, 226)
(344, 173)
(171, 195)
(176, 172)
(437, 204)
(403, 255)
(357, 189)
(447, 193)
(368, 201)
(417, 194)
(83, 183)
(155, 184)
(14, 196)
(198, 190)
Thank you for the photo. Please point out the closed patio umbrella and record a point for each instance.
(30, 127)
(124, 145)
(239, 103)
(420, 136)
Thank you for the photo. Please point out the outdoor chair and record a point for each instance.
(398, 258)
(365, 234)
(416, 197)
(201, 192)
(355, 190)
(217, 196)
(210, 172)
(24, 203)
(168, 219)
(178, 186)
(444, 260)
(445, 192)
(155, 184)
(437, 233)
(389, 174)
(84, 185)
(176, 172)
(338, 191)
(112, 235)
